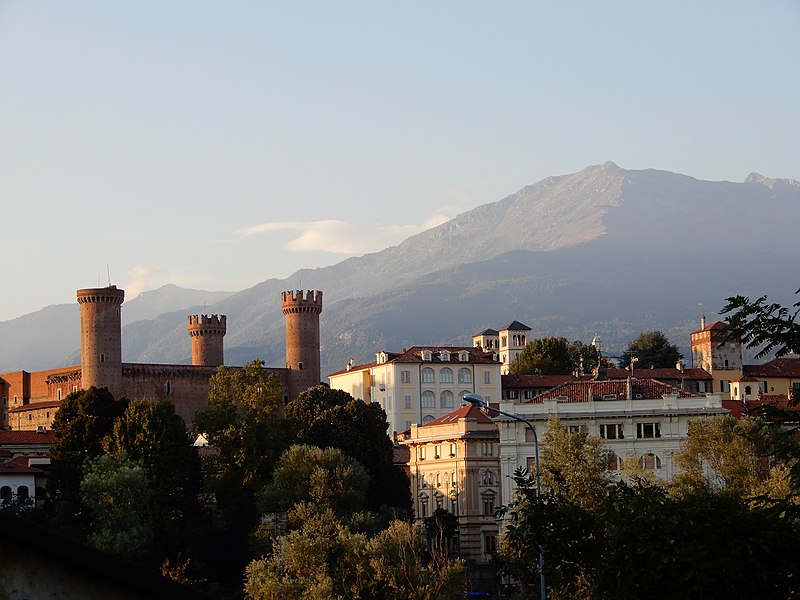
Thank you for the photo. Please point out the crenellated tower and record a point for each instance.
(101, 338)
(302, 310)
(207, 333)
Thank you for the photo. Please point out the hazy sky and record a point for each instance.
(217, 144)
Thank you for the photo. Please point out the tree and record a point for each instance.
(244, 423)
(764, 325)
(117, 492)
(575, 464)
(651, 349)
(737, 456)
(326, 478)
(334, 419)
(545, 356)
(84, 419)
(555, 356)
(151, 432)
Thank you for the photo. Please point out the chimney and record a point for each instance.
(702, 321)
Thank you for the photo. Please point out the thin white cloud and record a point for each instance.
(339, 237)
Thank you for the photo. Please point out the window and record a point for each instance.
(423, 508)
(444, 356)
(488, 506)
(408, 425)
(487, 449)
(464, 376)
(446, 375)
(611, 431)
(408, 401)
(490, 543)
(614, 462)
(5, 493)
(58, 394)
(576, 428)
(428, 399)
(487, 377)
(421, 456)
(702, 387)
(530, 464)
(648, 430)
(427, 419)
(725, 385)
(102, 357)
(512, 394)
(446, 399)
(437, 453)
(529, 435)
(405, 376)
(529, 394)
(22, 492)
(427, 375)
(488, 478)
(453, 452)
(762, 387)
(649, 462)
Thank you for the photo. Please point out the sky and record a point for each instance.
(215, 145)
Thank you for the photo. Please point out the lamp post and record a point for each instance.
(478, 401)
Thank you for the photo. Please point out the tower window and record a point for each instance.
(102, 357)
(300, 365)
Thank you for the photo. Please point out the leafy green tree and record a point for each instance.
(152, 433)
(245, 425)
(117, 492)
(545, 356)
(651, 349)
(83, 421)
(334, 419)
(737, 456)
(768, 326)
(325, 477)
(320, 559)
(575, 464)
(404, 568)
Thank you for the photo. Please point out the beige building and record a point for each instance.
(454, 465)
(508, 342)
(642, 420)
(421, 383)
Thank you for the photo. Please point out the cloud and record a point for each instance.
(340, 237)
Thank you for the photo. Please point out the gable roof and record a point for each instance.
(777, 367)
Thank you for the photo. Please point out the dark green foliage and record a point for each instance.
(641, 543)
(83, 421)
(555, 356)
(764, 325)
(652, 349)
(334, 419)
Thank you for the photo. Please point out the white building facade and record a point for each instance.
(422, 383)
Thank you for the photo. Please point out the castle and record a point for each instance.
(30, 400)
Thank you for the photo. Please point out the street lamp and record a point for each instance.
(477, 401)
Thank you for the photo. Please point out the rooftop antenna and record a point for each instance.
(108, 273)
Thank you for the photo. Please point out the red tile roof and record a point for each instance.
(660, 374)
(35, 406)
(513, 382)
(716, 325)
(468, 411)
(740, 409)
(777, 367)
(414, 355)
(25, 437)
(582, 391)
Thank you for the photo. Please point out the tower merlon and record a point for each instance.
(301, 301)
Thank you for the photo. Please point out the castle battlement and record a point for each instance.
(301, 301)
(108, 294)
(208, 323)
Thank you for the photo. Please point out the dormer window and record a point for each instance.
(444, 355)
(426, 355)
(381, 358)
(464, 356)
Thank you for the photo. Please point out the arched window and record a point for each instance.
(464, 376)
(428, 399)
(5, 493)
(488, 478)
(22, 492)
(446, 399)
(748, 390)
(446, 375)
(649, 462)
(427, 375)
(427, 419)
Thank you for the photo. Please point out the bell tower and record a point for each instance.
(101, 338)
(301, 310)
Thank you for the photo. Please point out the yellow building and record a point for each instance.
(421, 383)
(454, 465)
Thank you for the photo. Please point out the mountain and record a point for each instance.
(603, 251)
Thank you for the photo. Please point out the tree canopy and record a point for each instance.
(555, 356)
(334, 419)
(766, 325)
(651, 349)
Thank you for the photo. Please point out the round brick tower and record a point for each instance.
(101, 338)
(207, 333)
(302, 310)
